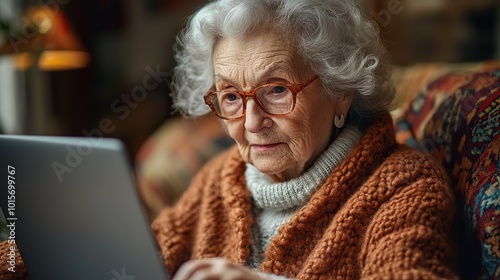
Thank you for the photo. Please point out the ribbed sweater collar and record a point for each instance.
(295, 192)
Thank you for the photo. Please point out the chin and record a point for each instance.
(268, 168)
(273, 170)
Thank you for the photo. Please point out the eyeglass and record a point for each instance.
(274, 99)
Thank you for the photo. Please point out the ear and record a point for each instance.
(344, 103)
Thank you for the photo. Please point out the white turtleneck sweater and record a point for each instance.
(275, 203)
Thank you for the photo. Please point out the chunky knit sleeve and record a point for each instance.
(174, 228)
(409, 236)
(11, 264)
(177, 227)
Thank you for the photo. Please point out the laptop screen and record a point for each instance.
(72, 209)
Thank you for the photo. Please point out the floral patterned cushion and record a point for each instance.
(456, 118)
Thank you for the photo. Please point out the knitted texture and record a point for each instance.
(274, 203)
(384, 212)
(19, 269)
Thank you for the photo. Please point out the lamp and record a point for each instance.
(47, 38)
(42, 40)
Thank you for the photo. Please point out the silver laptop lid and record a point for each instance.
(75, 208)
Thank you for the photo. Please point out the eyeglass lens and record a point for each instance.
(273, 99)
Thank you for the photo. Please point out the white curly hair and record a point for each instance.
(341, 46)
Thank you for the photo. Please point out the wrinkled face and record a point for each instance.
(282, 147)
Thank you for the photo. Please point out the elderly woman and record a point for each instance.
(315, 187)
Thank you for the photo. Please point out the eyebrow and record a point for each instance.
(264, 77)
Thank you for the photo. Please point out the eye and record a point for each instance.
(231, 97)
(229, 104)
(274, 91)
(278, 89)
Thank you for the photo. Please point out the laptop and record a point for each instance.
(72, 208)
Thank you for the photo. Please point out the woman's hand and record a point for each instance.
(215, 269)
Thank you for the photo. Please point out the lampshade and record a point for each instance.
(47, 36)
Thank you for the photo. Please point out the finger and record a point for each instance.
(214, 269)
(189, 269)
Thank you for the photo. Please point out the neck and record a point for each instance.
(296, 191)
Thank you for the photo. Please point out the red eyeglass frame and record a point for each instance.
(294, 88)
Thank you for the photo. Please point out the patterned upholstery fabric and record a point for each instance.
(456, 118)
(169, 159)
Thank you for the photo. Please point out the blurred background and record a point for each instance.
(100, 67)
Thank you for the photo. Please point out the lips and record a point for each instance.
(264, 147)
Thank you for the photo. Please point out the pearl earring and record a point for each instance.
(339, 120)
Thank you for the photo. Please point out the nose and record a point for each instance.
(255, 118)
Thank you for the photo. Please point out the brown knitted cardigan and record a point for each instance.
(385, 212)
